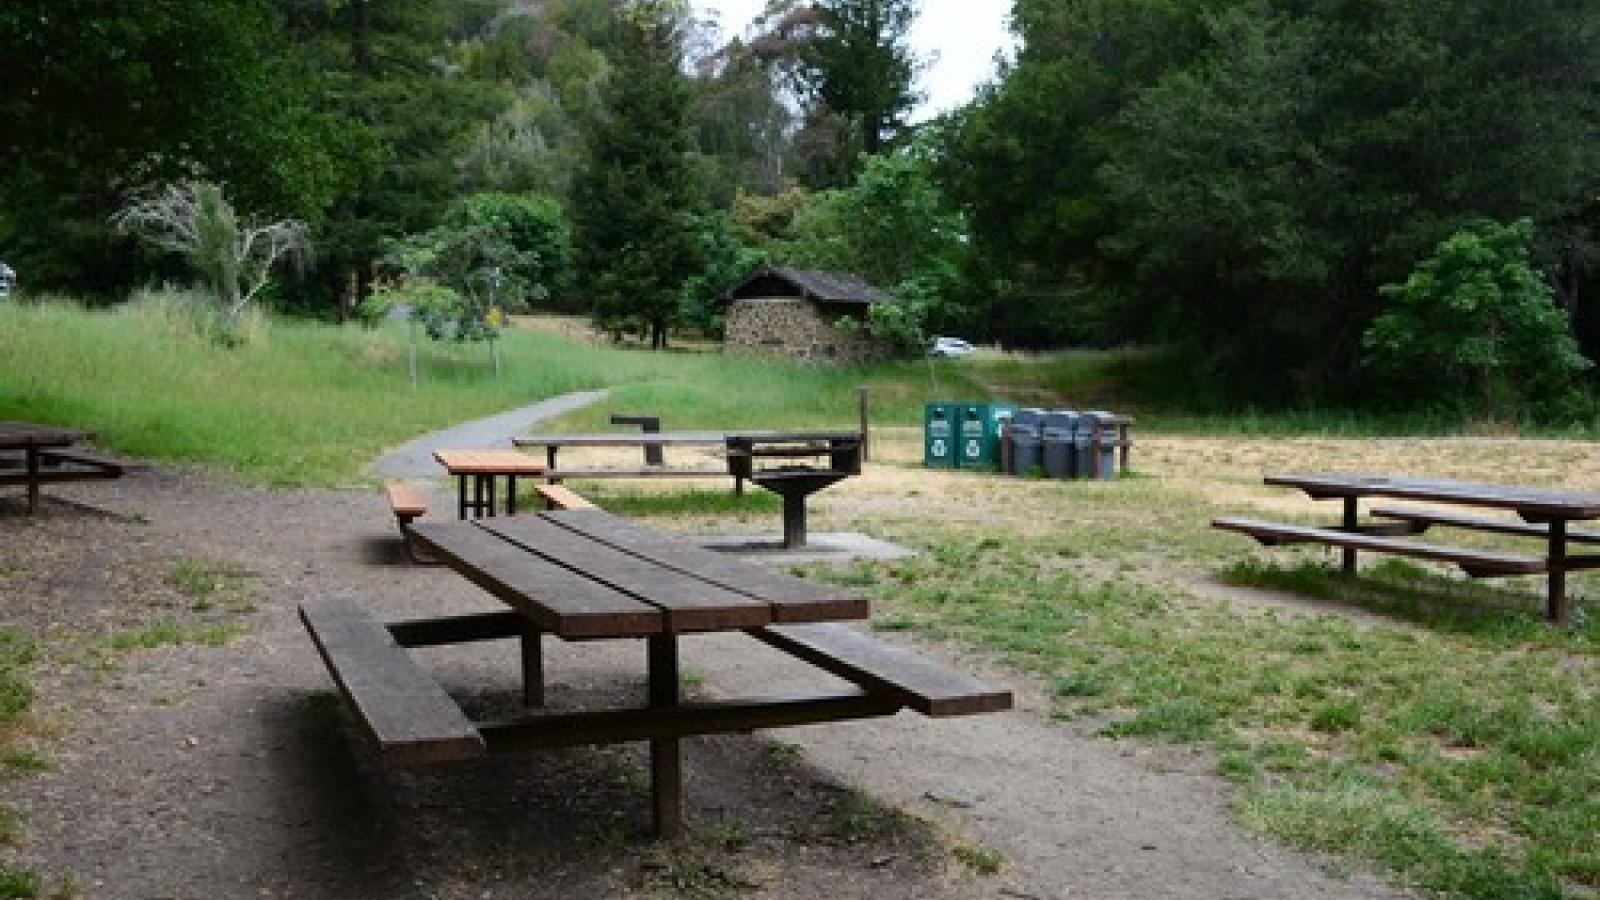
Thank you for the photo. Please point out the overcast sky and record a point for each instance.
(959, 37)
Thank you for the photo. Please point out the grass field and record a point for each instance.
(1434, 727)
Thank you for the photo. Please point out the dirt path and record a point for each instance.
(199, 772)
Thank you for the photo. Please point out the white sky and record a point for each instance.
(958, 37)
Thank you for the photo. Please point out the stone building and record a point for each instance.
(792, 312)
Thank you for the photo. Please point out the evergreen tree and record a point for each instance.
(633, 202)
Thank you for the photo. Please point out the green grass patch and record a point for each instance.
(1459, 747)
(309, 403)
(18, 884)
(208, 583)
(169, 633)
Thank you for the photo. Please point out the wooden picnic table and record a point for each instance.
(45, 446)
(476, 472)
(1541, 513)
(584, 575)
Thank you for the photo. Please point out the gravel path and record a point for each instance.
(192, 771)
(415, 459)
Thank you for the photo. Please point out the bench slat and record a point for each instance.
(569, 605)
(111, 468)
(645, 472)
(405, 499)
(921, 684)
(792, 599)
(688, 602)
(405, 711)
(1478, 563)
(558, 497)
(1427, 517)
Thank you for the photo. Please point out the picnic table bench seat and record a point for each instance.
(1421, 520)
(1477, 563)
(560, 497)
(406, 713)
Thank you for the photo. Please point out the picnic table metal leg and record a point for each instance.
(511, 495)
(532, 667)
(666, 761)
(461, 496)
(1351, 517)
(1556, 601)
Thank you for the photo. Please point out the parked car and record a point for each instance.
(8, 280)
(950, 347)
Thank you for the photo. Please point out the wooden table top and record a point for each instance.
(674, 438)
(589, 574)
(488, 462)
(1526, 501)
(21, 435)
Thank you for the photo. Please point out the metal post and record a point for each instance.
(1350, 518)
(461, 495)
(794, 521)
(1556, 603)
(666, 760)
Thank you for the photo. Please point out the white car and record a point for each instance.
(950, 347)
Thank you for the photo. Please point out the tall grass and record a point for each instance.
(298, 402)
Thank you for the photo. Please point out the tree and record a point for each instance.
(235, 259)
(633, 202)
(104, 99)
(1475, 318)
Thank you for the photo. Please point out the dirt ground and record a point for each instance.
(198, 771)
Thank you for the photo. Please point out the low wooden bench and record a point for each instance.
(1477, 563)
(1420, 520)
(408, 504)
(558, 497)
(409, 718)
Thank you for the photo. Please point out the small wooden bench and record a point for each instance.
(407, 715)
(408, 504)
(1420, 520)
(559, 497)
(1477, 563)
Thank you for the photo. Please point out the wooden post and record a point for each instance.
(1556, 602)
(532, 667)
(1350, 519)
(865, 430)
(32, 468)
(666, 760)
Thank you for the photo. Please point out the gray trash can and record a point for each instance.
(1101, 458)
(1027, 449)
(1057, 435)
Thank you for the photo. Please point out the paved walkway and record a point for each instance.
(415, 460)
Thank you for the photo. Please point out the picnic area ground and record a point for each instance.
(195, 747)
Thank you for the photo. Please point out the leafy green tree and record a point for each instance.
(536, 263)
(1475, 319)
(633, 203)
(101, 100)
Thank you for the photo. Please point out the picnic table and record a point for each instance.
(584, 575)
(1540, 513)
(47, 458)
(748, 456)
(476, 473)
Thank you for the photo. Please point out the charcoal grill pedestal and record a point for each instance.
(794, 486)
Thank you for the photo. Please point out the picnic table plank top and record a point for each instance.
(587, 574)
(21, 435)
(674, 438)
(687, 602)
(792, 599)
(554, 598)
(1526, 501)
(488, 462)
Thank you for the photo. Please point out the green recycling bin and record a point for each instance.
(978, 433)
(939, 435)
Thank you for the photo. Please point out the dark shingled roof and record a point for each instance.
(812, 284)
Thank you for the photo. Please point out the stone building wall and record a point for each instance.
(791, 326)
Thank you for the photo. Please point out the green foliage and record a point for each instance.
(1242, 175)
(1475, 320)
(633, 202)
(726, 261)
(856, 63)
(526, 235)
